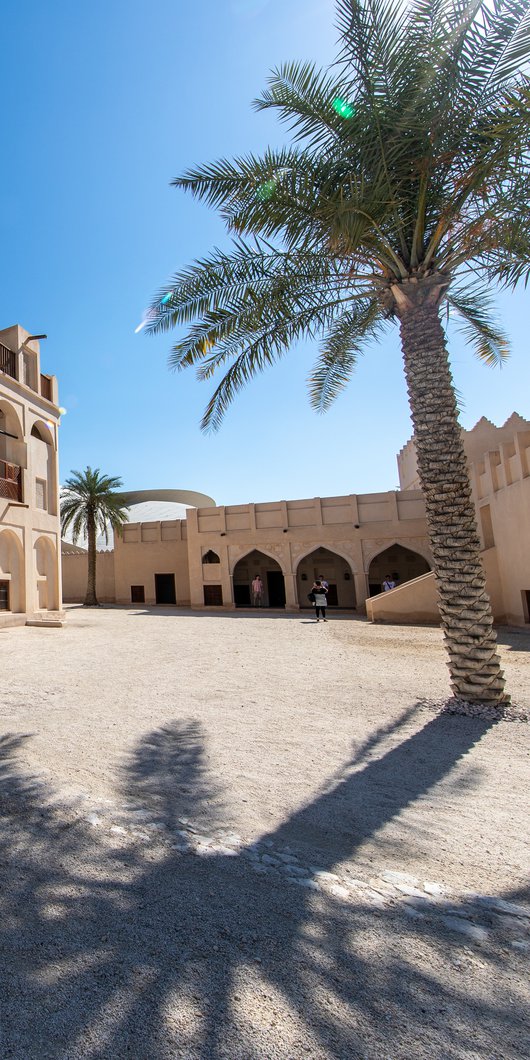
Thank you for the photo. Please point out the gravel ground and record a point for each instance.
(238, 836)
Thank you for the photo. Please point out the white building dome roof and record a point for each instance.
(152, 506)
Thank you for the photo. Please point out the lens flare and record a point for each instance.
(148, 314)
(167, 298)
(343, 109)
(62, 412)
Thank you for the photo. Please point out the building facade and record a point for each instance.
(30, 552)
(499, 465)
(210, 557)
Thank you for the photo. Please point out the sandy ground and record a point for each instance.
(248, 836)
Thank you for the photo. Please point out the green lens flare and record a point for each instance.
(343, 109)
(266, 190)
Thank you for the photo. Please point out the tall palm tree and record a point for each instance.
(399, 188)
(90, 504)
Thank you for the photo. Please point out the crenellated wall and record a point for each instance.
(499, 468)
(211, 557)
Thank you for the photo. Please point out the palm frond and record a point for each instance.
(304, 97)
(422, 168)
(345, 341)
(90, 495)
(473, 305)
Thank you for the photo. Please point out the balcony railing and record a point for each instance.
(10, 481)
(8, 361)
(46, 387)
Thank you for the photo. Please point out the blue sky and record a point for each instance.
(103, 104)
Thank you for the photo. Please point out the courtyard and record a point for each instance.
(243, 836)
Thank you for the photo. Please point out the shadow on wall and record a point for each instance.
(143, 951)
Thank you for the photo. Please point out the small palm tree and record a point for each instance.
(399, 192)
(90, 504)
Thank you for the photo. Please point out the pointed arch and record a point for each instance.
(399, 561)
(335, 568)
(419, 545)
(264, 552)
(341, 552)
(210, 557)
(258, 562)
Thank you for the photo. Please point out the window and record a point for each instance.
(210, 557)
(213, 595)
(4, 596)
(137, 594)
(40, 493)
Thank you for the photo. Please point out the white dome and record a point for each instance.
(153, 506)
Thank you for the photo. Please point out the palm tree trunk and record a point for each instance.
(91, 598)
(465, 609)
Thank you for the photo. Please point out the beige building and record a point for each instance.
(499, 464)
(30, 554)
(209, 556)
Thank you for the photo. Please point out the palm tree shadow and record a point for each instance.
(143, 951)
(370, 791)
(166, 775)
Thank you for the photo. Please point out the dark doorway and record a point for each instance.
(242, 595)
(213, 595)
(245, 571)
(4, 596)
(332, 597)
(137, 594)
(401, 563)
(276, 588)
(165, 589)
(331, 568)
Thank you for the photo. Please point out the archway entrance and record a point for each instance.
(12, 594)
(401, 563)
(334, 569)
(271, 576)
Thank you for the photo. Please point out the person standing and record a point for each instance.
(388, 583)
(323, 582)
(257, 591)
(321, 595)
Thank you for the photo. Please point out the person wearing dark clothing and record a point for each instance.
(320, 594)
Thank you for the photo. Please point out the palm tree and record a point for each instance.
(399, 188)
(90, 503)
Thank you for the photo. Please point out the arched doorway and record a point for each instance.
(401, 563)
(334, 569)
(12, 595)
(271, 574)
